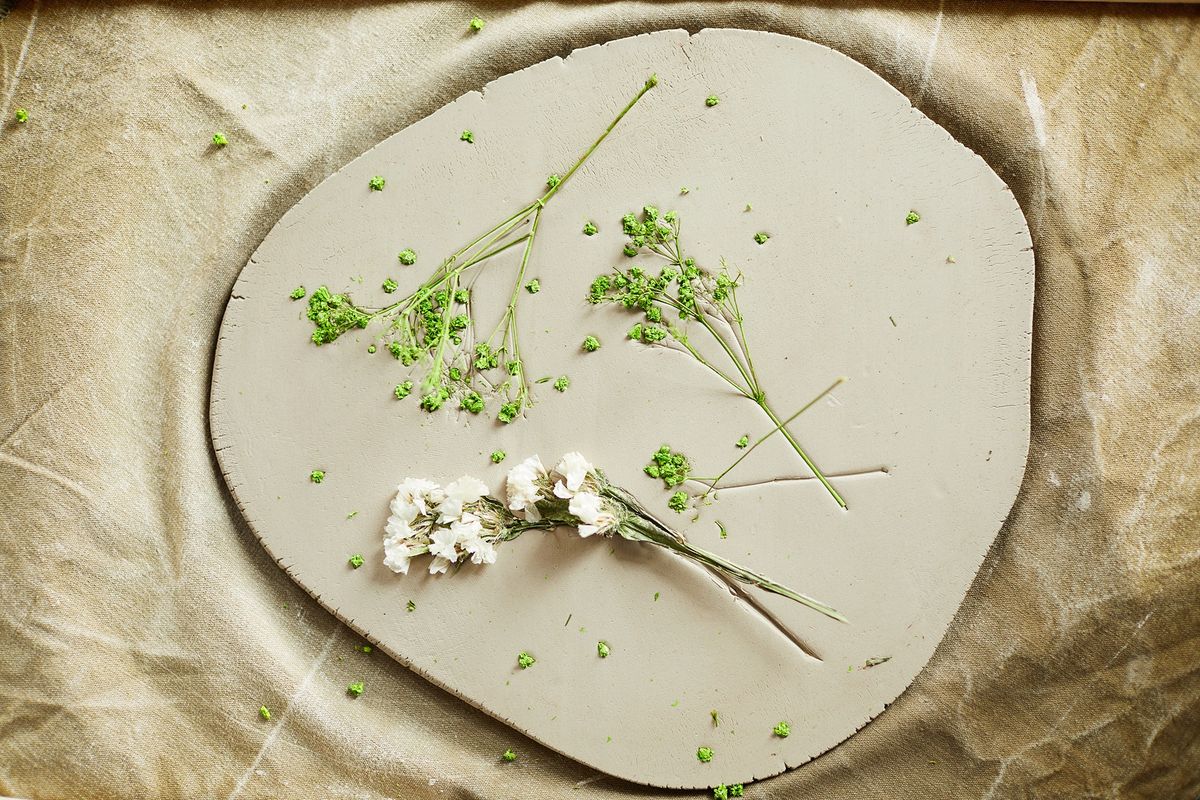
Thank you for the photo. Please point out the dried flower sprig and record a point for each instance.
(460, 522)
(434, 325)
(690, 294)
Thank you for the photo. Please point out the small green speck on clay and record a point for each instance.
(476, 24)
(219, 140)
(264, 712)
(684, 190)
(534, 286)
(403, 390)
(371, 348)
(711, 100)
(389, 285)
(590, 229)
(951, 260)
(737, 790)
(562, 383)
(472, 401)
(509, 755)
(298, 293)
(678, 502)
(498, 456)
(407, 256)
(716, 718)
(761, 237)
(317, 475)
(21, 116)
(782, 730)
(365, 648)
(656, 596)
(911, 218)
(742, 442)
(602, 649)
(410, 606)
(509, 411)
(524, 660)
(591, 344)
(355, 689)
(377, 183)
(467, 136)
(355, 561)
(352, 515)
(721, 792)
(553, 180)
(705, 754)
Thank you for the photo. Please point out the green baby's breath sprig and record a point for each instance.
(433, 328)
(682, 297)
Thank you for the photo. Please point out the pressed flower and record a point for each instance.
(572, 469)
(911, 218)
(264, 712)
(782, 730)
(524, 660)
(297, 293)
(591, 344)
(602, 649)
(355, 689)
(219, 140)
(509, 755)
(377, 183)
(476, 24)
(705, 754)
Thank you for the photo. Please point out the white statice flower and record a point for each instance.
(462, 492)
(414, 497)
(398, 552)
(439, 565)
(524, 489)
(481, 550)
(572, 469)
(593, 516)
(444, 544)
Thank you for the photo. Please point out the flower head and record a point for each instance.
(571, 470)
(593, 514)
(463, 492)
(525, 484)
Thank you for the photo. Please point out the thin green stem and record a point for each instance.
(803, 455)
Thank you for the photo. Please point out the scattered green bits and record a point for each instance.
(355, 561)
(355, 689)
(630, 250)
(534, 286)
(656, 596)
(602, 649)
(509, 411)
(705, 754)
(678, 502)
(553, 181)
(562, 383)
(591, 344)
(524, 660)
(782, 730)
(711, 100)
(371, 348)
(389, 285)
(498, 456)
(317, 475)
(737, 790)
(264, 712)
(410, 606)
(721, 792)
(590, 229)
(377, 183)
(761, 237)
(635, 332)
(912, 218)
(672, 467)
(364, 648)
(407, 256)
(403, 390)
(742, 442)
(472, 401)
(298, 293)
(509, 755)
(219, 140)
(21, 116)
(467, 136)
(476, 24)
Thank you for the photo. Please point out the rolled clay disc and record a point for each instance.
(929, 322)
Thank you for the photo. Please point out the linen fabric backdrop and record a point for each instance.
(142, 625)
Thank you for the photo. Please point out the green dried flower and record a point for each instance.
(298, 293)
(389, 285)
(365, 648)
(711, 100)
(219, 140)
(737, 790)
(534, 286)
(590, 229)
(705, 754)
(602, 649)
(524, 660)
(721, 792)
(356, 561)
(672, 467)
(562, 383)
(332, 315)
(403, 390)
(264, 712)
(407, 257)
(591, 344)
(509, 411)
(476, 24)
(911, 218)
(553, 180)
(761, 237)
(317, 475)
(498, 456)
(742, 442)
(355, 689)
(678, 502)
(782, 730)
(472, 401)
(509, 755)
(635, 332)
(377, 183)
(21, 116)
(467, 136)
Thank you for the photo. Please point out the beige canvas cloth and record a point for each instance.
(141, 624)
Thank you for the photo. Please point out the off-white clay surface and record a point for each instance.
(929, 433)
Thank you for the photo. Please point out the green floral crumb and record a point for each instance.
(951, 260)
(911, 218)
(410, 606)
(355, 561)
(562, 383)
(742, 442)
(407, 256)
(524, 660)
(509, 411)
(705, 754)
(476, 24)
(317, 475)
(498, 456)
(590, 229)
(721, 527)
(591, 344)
(219, 140)
(761, 237)
(389, 285)
(467, 136)
(21, 116)
(721, 792)
(365, 648)
(711, 100)
(264, 712)
(553, 181)
(684, 190)
(656, 596)
(602, 649)
(509, 755)
(371, 348)
(355, 689)
(534, 286)
(782, 730)
(352, 515)
(678, 502)
(737, 790)
(298, 293)
(472, 401)
(377, 183)
(403, 390)
(670, 466)
(749, 207)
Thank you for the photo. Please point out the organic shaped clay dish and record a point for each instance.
(926, 440)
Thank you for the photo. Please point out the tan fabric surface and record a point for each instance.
(141, 624)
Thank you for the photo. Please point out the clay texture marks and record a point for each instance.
(929, 321)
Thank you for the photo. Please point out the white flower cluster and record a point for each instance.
(572, 479)
(447, 522)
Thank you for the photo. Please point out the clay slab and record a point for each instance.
(928, 435)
